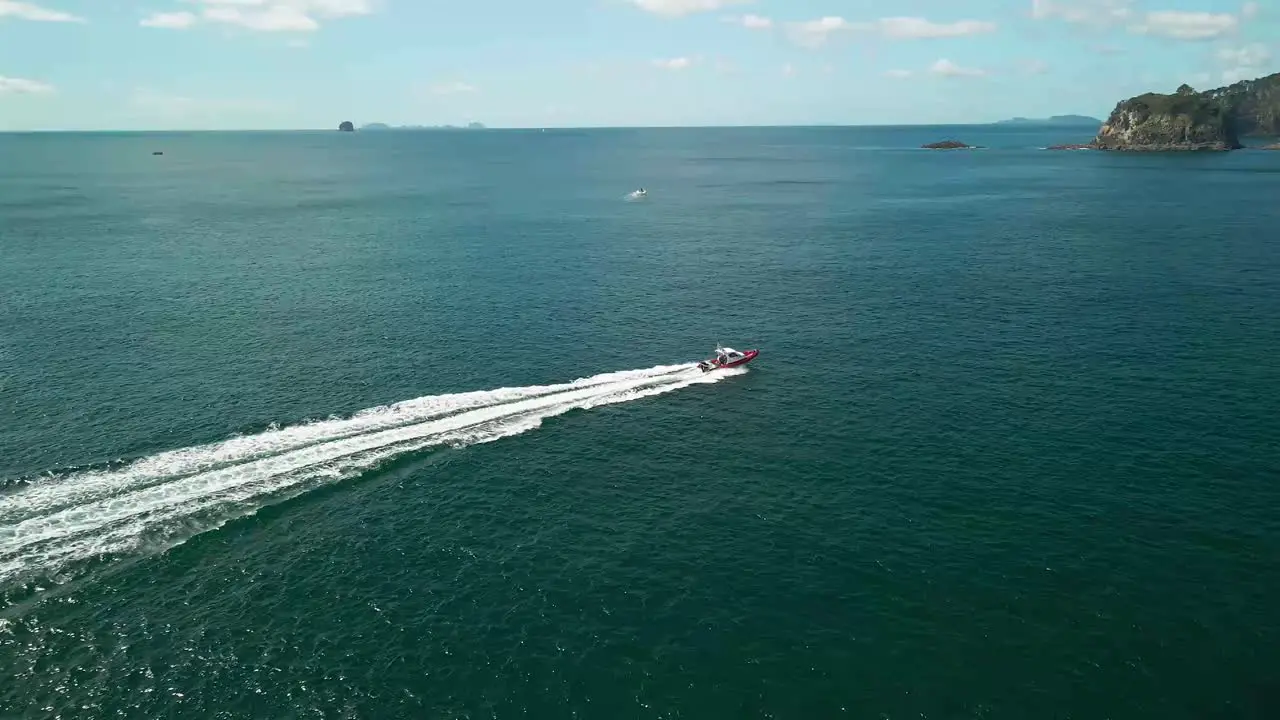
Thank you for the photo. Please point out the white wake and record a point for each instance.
(49, 524)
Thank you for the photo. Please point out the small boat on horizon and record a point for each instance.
(726, 357)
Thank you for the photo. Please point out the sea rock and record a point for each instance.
(347, 126)
(1185, 120)
(948, 145)
(1072, 146)
(1273, 146)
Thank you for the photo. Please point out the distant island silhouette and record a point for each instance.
(384, 126)
(1054, 120)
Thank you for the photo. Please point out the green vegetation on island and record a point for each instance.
(1184, 120)
(1190, 120)
(1254, 105)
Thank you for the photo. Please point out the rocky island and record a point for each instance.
(1185, 120)
(1189, 120)
(948, 145)
(347, 126)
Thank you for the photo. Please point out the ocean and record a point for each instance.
(406, 425)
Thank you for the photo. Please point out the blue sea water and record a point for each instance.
(289, 426)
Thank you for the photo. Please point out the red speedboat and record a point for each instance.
(727, 358)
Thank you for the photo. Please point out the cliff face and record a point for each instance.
(1186, 120)
(1254, 105)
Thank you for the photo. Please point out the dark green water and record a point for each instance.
(1011, 448)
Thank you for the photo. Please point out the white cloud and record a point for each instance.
(1180, 25)
(273, 18)
(1246, 56)
(1243, 63)
(788, 70)
(19, 86)
(170, 20)
(678, 63)
(602, 68)
(680, 8)
(1235, 75)
(453, 88)
(910, 28)
(28, 11)
(753, 22)
(815, 33)
(1035, 67)
(946, 68)
(1249, 10)
(1097, 13)
(175, 108)
(263, 15)
(943, 67)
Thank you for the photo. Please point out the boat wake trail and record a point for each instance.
(51, 526)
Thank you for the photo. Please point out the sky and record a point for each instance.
(295, 64)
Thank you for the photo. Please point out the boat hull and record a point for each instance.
(747, 356)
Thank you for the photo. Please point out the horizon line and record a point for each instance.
(497, 128)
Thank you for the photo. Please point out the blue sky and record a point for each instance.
(226, 64)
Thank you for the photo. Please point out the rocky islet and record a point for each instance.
(1187, 120)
